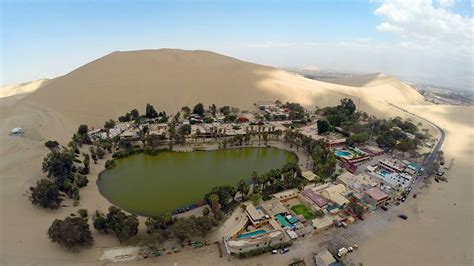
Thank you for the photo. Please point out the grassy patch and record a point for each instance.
(301, 209)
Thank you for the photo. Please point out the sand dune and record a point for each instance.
(23, 88)
(379, 86)
(120, 81)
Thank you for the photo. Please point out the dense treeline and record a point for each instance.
(392, 134)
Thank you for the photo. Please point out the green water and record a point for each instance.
(151, 185)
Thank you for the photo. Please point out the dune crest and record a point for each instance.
(22, 88)
(108, 87)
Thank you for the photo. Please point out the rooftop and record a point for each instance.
(315, 197)
(273, 207)
(253, 213)
(376, 193)
(309, 175)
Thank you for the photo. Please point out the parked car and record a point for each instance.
(342, 252)
(350, 249)
(274, 251)
(414, 181)
(403, 199)
(403, 216)
(284, 250)
(384, 208)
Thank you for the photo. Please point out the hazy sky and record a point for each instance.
(421, 40)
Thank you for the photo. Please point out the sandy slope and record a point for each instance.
(379, 86)
(116, 83)
(23, 88)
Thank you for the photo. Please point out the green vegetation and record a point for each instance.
(392, 134)
(150, 111)
(165, 227)
(302, 209)
(297, 112)
(51, 144)
(71, 233)
(355, 208)
(83, 213)
(198, 109)
(46, 194)
(124, 226)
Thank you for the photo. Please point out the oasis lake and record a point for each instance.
(152, 185)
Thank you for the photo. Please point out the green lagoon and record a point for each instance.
(151, 185)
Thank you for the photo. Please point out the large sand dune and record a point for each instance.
(118, 82)
(169, 79)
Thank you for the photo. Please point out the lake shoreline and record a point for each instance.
(202, 147)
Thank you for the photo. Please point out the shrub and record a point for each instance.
(51, 144)
(81, 181)
(71, 233)
(109, 164)
(83, 213)
(46, 194)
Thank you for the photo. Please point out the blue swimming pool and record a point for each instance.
(343, 153)
(253, 233)
(384, 173)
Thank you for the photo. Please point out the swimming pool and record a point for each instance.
(384, 173)
(253, 233)
(343, 153)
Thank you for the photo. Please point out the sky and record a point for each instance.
(416, 40)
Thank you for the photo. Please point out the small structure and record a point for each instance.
(314, 197)
(358, 182)
(334, 194)
(309, 175)
(324, 258)
(375, 196)
(287, 194)
(254, 215)
(320, 224)
(258, 241)
(17, 131)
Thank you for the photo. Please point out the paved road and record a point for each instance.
(434, 154)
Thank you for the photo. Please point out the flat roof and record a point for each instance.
(253, 213)
(315, 197)
(376, 193)
(309, 175)
(273, 207)
(282, 220)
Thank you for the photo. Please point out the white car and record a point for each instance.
(413, 182)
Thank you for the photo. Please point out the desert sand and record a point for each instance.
(168, 79)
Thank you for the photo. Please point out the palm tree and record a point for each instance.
(264, 179)
(254, 177)
(243, 188)
(214, 199)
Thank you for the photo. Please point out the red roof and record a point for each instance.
(315, 197)
(376, 193)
